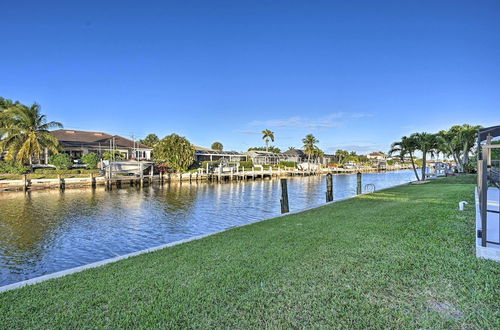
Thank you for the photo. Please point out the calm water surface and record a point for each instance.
(47, 231)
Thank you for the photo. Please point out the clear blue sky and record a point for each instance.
(357, 74)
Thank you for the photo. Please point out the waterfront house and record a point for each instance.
(78, 143)
(205, 154)
(377, 156)
(260, 157)
(295, 155)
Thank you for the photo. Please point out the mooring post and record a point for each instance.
(358, 187)
(92, 180)
(284, 197)
(25, 182)
(141, 173)
(61, 182)
(329, 187)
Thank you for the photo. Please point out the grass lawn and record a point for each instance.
(403, 257)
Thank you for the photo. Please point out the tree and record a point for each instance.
(113, 156)
(217, 146)
(91, 160)
(342, 155)
(5, 105)
(406, 146)
(151, 140)
(458, 142)
(272, 149)
(27, 134)
(266, 136)
(310, 145)
(61, 161)
(426, 143)
(175, 151)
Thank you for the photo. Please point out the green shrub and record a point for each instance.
(61, 161)
(91, 160)
(108, 155)
(13, 168)
(66, 172)
(288, 164)
(246, 164)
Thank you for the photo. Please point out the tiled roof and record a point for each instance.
(77, 138)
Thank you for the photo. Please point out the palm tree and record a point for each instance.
(458, 142)
(27, 134)
(217, 146)
(467, 137)
(5, 105)
(342, 155)
(426, 143)
(267, 135)
(310, 145)
(405, 147)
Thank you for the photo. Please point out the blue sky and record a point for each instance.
(356, 74)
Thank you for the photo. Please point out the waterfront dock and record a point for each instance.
(118, 181)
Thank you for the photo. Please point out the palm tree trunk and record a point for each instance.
(413, 165)
(424, 164)
(465, 158)
(458, 160)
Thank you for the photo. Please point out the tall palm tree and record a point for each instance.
(267, 135)
(27, 134)
(458, 142)
(467, 136)
(426, 143)
(310, 145)
(405, 147)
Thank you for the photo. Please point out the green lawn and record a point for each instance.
(402, 257)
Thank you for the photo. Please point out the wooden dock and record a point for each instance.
(28, 184)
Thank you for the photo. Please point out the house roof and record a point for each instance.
(374, 154)
(294, 152)
(89, 138)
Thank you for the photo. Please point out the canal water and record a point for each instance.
(47, 231)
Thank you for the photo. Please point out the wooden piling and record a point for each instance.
(26, 182)
(329, 187)
(92, 181)
(359, 181)
(61, 182)
(284, 197)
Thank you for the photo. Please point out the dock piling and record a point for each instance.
(358, 188)
(329, 187)
(284, 197)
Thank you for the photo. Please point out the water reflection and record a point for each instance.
(47, 231)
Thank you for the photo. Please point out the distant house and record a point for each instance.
(377, 156)
(260, 157)
(295, 155)
(206, 154)
(78, 143)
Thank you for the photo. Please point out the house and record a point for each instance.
(260, 157)
(295, 155)
(205, 154)
(377, 156)
(78, 143)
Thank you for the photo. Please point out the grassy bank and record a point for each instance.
(402, 257)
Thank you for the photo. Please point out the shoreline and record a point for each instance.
(93, 182)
